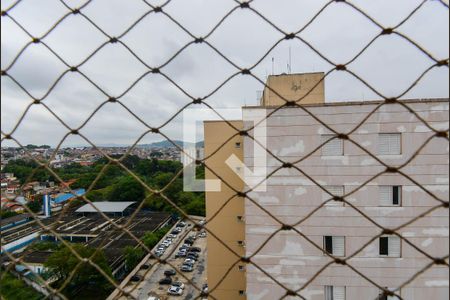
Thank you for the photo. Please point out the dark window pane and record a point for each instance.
(382, 297)
(328, 240)
(396, 195)
(384, 246)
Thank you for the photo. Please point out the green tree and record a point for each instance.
(35, 206)
(150, 239)
(13, 288)
(7, 214)
(132, 256)
(127, 189)
(62, 262)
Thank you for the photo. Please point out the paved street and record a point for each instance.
(149, 286)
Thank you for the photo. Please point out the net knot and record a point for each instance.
(290, 36)
(245, 5)
(387, 31)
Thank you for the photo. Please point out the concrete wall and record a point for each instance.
(291, 196)
(310, 87)
(225, 225)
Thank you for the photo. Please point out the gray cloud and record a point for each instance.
(390, 64)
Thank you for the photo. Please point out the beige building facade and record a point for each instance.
(336, 167)
(224, 212)
(393, 135)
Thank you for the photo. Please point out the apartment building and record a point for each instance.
(224, 210)
(327, 166)
(303, 198)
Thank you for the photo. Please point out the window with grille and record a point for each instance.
(389, 143)
(334, 147)
(390, 246)
(334, 245)
(336, 190)
(334, 292)
(390, 195)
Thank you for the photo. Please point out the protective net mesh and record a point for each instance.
(126, 229)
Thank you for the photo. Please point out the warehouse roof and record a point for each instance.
(105, 206)
(64, 197)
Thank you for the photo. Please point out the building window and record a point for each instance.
(390, 195)
(237, 145)
(334, 292)
(334, 147)
(334, 245)
(389, 143)
(336, 190)
(390, 246)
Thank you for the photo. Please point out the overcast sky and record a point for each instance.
(390, 64)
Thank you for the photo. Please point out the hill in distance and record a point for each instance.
(168, 144)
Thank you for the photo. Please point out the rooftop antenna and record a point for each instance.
(290, 61)
(273, 65)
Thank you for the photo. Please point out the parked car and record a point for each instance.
(135, 278)
(170, 272)
(192, 254)
(181, 224)
(176, 291)
(180, 254)
(195, 249)
(187, 268)
(189, 261)
(173, 236)
(145, 266)
(178, 284)
(165, 280)
(202, 234)
(188, 264)
(188, 241)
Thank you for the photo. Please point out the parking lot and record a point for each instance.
(149, 285)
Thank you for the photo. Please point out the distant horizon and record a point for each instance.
(109, 145)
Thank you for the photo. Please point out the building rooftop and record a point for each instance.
(37, 257)
(14, 219)
(346, 103)
(105, 206)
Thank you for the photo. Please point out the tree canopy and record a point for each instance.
(62, 262)
(115, 184)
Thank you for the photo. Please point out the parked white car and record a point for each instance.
(174, 290)
(178, 284)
